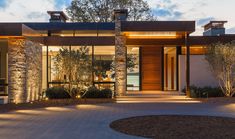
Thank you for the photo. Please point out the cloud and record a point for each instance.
(4, 4)
(62, 4)
(29, 10)
(204, 21)
(167, 10)
(231, 30)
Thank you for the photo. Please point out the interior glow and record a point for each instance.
(151, 35)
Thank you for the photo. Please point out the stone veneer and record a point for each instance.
(120, 59)
(24, 70)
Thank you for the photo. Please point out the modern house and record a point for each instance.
(163, 54)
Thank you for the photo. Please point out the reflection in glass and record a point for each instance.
(170, 68)
(104, 63)
(133, 81)
(104, 73)
(78, 67)
(70, 67)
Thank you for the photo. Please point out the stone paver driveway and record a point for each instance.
(92, 121)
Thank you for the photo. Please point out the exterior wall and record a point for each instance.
(24, 70)
(214, 32)
(200, 74)
(3, 62)
(120, 60)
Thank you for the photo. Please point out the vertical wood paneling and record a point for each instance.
(151, 68)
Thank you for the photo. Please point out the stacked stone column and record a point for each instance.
(24, 70)
(16, 70)
(120, 56)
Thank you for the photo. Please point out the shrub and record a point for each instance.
(74, 92)
(57, 93)
(93, 92)
(204, 92)
(107, 93)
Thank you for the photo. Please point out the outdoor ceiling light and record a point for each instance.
(151, 35)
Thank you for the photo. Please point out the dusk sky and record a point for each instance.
(202, 11)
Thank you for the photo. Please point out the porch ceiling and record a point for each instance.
(154, 34)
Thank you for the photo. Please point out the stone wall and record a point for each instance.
(24, 70)
(120, 60)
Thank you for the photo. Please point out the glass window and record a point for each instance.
(81, 67)
(44, 67)
(104, 63)
(133, 74)
(170, 68)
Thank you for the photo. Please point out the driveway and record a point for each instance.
(92, 121)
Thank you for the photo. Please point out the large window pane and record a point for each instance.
(81, 67)
(104, 74)
(104, 63)
(170, 68)
(133, 76)
(70, 66)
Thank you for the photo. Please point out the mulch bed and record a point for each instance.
(217, 100)
(51, 103)
(177, 127)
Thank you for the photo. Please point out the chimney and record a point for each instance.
(57, 16)
(214, 28)
(120, 14)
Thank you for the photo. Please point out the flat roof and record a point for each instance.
(71, 26)
(178, 26)
(60, 13)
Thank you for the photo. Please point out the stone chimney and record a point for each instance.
(120, 53)
(214, 28)
(120, 14)
(57, 16)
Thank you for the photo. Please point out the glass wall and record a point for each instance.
(44, 67)
(170, 72)
(133, 72)
(104, 72)
(3, 67)
(78, 66)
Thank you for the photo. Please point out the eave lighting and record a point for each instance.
(151, 35)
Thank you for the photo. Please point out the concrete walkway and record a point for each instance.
(92, 121)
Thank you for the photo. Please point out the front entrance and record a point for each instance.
(151, 68)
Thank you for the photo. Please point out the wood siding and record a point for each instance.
(151, 68)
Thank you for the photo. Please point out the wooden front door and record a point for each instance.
(151, 70)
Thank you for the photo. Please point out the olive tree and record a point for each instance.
(74, 66)
(221, 58)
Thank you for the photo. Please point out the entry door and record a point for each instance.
(151, 70)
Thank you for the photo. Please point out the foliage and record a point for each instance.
(132, 61)
(93, 92)
(102, 10)
(75, 64)
(204, 92)
(102, 66)
(221, 58)
(57, 93)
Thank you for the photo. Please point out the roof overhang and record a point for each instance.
(158, 26)
(17, 30)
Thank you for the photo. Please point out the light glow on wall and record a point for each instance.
(151, 35)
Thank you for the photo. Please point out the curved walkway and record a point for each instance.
(92, 121)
